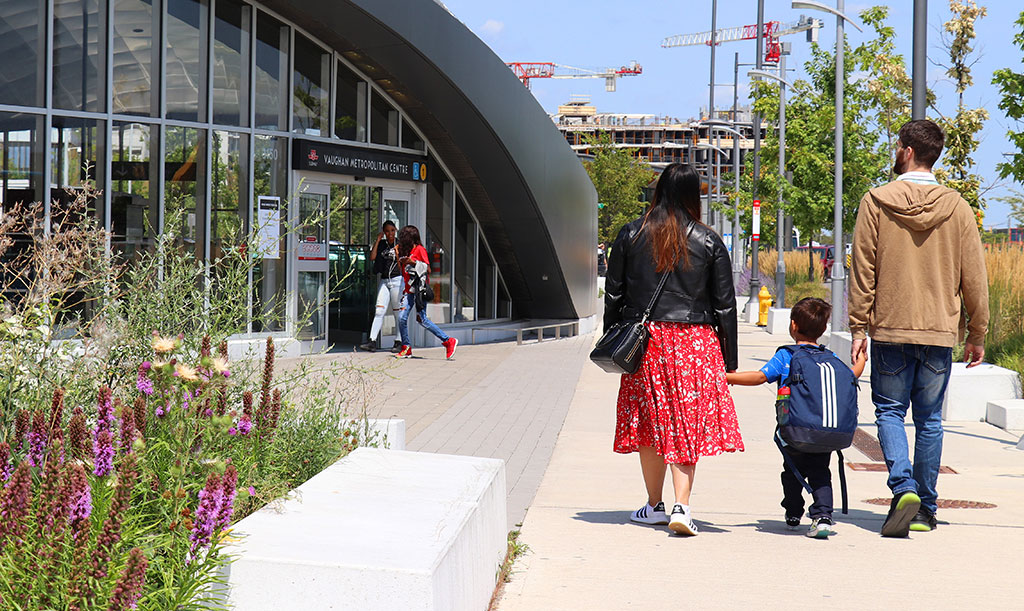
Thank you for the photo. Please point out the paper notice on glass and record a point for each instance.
(268, 223)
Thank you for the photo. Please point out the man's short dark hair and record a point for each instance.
(926, 138)
(388, 223)
(811, 315)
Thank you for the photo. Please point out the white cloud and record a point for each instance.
(492, 27)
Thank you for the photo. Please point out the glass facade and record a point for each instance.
(190, 127)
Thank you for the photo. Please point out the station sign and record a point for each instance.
(311, 156)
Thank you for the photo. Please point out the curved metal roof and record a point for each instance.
(535, 203)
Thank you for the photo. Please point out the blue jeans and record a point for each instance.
(910, 376)
(408, 303)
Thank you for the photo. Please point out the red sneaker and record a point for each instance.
(404, 353)
(449, 347)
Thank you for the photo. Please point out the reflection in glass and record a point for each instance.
(231, 63)
(136, 58)
(75, 149)
(410, 139)
(464, 301)
(312, 299)
(504, 303)
(438, 240)
(488, 276)
(23, 32)
(383, 121)
(79, 50)
(21, 168)
(350, 105)
(229, 178)
(270, 159)
(134, 210)
(352, 284)
(312, 98)
(184, 196)
(186, 59)
(271, 73)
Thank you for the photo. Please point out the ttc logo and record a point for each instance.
(312, 155)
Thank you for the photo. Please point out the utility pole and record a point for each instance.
(755, 276)
(920, 60)
(707, 214)
(839, 255)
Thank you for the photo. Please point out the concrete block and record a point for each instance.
(778, 322)
(840, 342)
(378, 530)
(970, 391)
(751, 313)
(386, 433)
(1006, 414)
(252, 347)
(1020, 444)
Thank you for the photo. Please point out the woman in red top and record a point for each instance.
(415, 263)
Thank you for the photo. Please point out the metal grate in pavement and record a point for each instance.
(944, 503)
(880, 467)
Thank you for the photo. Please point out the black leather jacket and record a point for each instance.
(701, 293)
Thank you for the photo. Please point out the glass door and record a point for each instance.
(355, 221)
(311, 266)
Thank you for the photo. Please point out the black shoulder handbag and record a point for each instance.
(621, 349)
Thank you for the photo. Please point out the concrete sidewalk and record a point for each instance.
(585, 554)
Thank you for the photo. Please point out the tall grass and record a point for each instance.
(1004, 344)
(798, 264)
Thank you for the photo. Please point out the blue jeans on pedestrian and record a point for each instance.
(408, 303)
(910, 376)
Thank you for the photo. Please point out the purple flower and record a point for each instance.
(207, 513)
(103, 452)
(5, 462)
(142, 382)
(244, 424)
(79, 497)
(129, 586)
(105, 409)
(252, 491)
(14, 506)
(185, 398)
(229, 488)
(37, 440)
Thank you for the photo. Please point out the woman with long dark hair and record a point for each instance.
(415, 267)
(676, 407)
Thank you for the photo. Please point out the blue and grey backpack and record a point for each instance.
(816, 408)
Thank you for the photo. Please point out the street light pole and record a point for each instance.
(838, 258)
(920, 59)
(737, 250)
(755, 277)
(780, 224)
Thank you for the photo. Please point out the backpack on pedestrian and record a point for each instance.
(816, 410)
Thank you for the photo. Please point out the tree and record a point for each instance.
(619, 179)
(1016, 203)
(962, 129)
(1011, 86)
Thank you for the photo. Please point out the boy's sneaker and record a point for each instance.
(397, 347)
(792, 522)
(924, 521)
(902, 510)
(681, 522)
(821, 528)
(404, 353)
(449, 347)
(650, 515)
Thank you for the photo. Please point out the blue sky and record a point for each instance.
(605, 33)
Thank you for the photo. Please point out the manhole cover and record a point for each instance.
(943, 503)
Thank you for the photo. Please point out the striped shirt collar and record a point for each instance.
(921, 178)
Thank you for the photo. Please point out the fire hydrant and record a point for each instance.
(764, 301)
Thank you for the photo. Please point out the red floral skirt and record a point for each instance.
(678, 401)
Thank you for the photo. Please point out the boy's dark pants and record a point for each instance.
(815, 468)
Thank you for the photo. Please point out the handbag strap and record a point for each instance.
(661, 283)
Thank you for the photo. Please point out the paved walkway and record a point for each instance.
(584, 553)
(494, 400)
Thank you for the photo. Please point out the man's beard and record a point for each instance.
(900, 165)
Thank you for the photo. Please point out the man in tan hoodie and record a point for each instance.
(917, 265)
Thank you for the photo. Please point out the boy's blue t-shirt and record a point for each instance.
(777, 368)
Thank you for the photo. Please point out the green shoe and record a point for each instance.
(923, 522)
(902, 510)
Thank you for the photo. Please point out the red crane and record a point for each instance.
(531, 70)
(772, 31)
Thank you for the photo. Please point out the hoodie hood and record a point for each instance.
(919, 207)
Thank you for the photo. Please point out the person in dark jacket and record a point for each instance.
(385, 265)
(676, 407)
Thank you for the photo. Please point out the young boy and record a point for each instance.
(806, 324)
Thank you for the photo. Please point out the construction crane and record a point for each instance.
(772, 31)
(531, 70)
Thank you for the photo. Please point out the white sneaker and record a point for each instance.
(650, 515)
(821, 528)
(681, 522)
